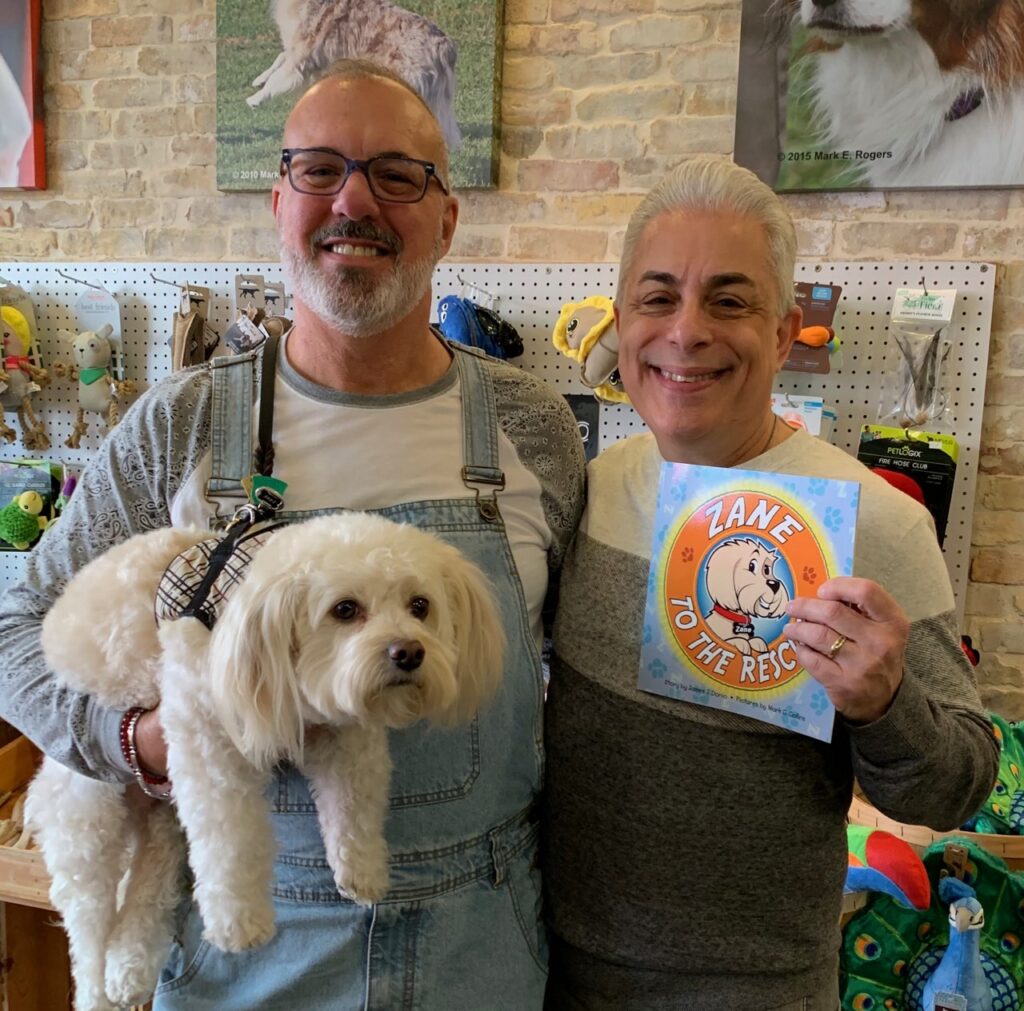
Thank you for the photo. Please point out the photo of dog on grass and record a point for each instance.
(871, 94)
(339, 630)
(268, 52)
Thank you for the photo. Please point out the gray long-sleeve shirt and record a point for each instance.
(156, 457)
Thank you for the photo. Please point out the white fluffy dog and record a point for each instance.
(341, 627)
(740, 579)
(316, 33)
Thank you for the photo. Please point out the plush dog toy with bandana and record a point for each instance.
(98, 390)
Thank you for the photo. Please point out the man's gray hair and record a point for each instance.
(715, 184)
(360, 69)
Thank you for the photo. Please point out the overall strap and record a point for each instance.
(232, 454)
(479, 431)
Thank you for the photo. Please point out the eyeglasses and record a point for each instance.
(320, 171)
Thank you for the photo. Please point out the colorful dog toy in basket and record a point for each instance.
(1003, 811)
(891, 954)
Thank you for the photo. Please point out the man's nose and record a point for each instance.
(355, 199)
(688, 327)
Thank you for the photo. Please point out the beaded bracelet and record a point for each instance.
(158, 787)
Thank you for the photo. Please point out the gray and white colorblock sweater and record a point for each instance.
(703, 850)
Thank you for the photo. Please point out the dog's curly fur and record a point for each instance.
(315, 34)
(342, 627)
(740, 576)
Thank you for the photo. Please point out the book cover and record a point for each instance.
(730, 549)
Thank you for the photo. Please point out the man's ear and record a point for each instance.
(789, 330)
(449, 219)
(275, 198)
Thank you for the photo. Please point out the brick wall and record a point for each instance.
(599, 98)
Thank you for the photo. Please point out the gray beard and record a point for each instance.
(354, 302)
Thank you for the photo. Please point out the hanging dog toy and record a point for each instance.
(21, 520)
(477, 326)
(98, 390)
(20, 377)
(585, 331)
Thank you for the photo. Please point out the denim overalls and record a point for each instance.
(461, 928)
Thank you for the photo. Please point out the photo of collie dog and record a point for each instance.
(917, 93)
(316, 33)
(741, 582)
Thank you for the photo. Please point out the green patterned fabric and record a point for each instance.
(890, 951)
(1003, 811)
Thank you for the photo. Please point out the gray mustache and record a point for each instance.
(356, 230)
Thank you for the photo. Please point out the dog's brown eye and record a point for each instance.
(419, 607)
(346, 610)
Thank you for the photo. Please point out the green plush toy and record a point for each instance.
(21, 521)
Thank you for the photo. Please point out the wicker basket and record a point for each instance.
(1009, 848)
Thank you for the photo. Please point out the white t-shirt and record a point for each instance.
(370, 452)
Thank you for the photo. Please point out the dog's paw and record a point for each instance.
(89, 998)
(132, 973)
(364, 883)
(249, 927)
(255, 100)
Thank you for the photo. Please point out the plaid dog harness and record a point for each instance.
(198, 582)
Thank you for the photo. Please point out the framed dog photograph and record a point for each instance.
(450, 52)
(881, 94)
(22, 147)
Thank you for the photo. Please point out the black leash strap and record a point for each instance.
(267, 503)
(263, 456)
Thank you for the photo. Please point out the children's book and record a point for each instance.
(730, 549)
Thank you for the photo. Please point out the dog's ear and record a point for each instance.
(479, 635)
(252, 661)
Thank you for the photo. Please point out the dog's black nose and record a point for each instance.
(406, 654)
(773, 585)
(824, 3)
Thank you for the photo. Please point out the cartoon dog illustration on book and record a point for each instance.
(741, 582)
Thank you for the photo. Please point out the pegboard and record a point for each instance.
(530, 296)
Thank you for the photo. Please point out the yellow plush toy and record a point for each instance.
(586, 332)
(20, 377)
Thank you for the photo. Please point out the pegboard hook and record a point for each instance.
(78, 280)
(924, 287)
(473, 292)
(173, 284)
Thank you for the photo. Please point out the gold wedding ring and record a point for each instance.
(836, 647)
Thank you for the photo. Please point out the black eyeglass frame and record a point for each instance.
(361, 165)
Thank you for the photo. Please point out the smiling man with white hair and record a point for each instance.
(695, 858)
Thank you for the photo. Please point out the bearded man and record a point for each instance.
(371, 410)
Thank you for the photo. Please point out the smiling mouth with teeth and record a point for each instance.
(345, 249)
(675, 377)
